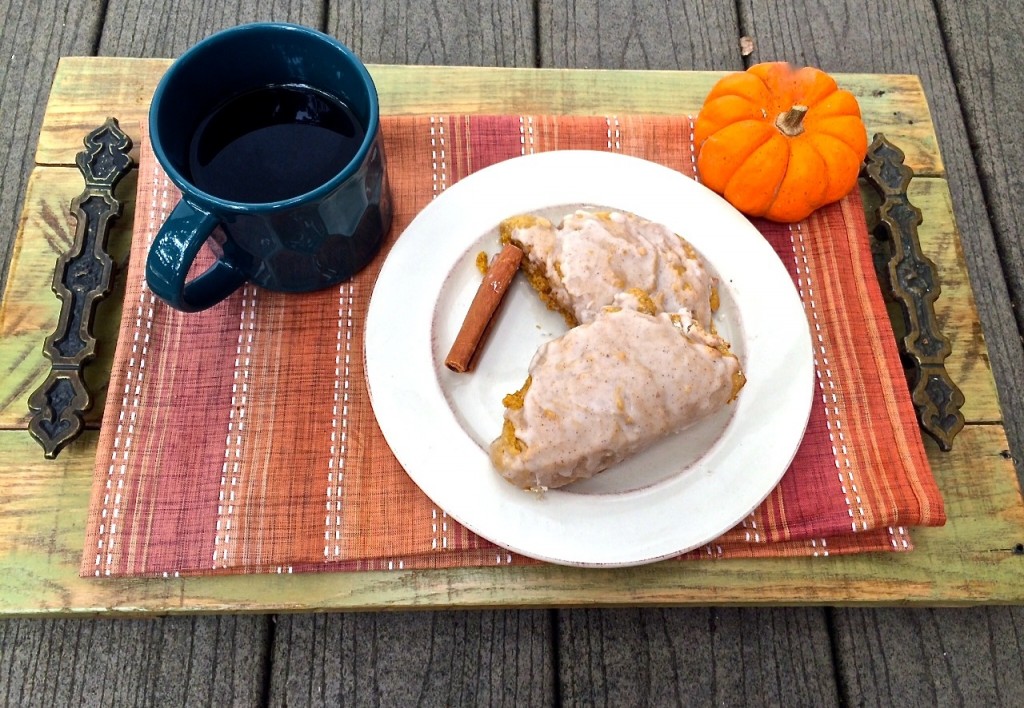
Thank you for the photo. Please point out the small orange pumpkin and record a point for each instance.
(779, 142)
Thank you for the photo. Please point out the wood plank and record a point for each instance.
(893, 104)
(699, 656)
(149, 28)
(403, 659)
(988, 80)
(639, 35)
(930, 657)
(161, 662)
(472, 32)
(32, 36)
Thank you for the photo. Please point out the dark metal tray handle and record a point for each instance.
(82, 278)
(913, 281)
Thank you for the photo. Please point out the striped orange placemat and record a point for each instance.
(241, 439)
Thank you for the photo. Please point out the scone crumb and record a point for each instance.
(514, 401)
(508, 437)
(482, 261)
(738, 382)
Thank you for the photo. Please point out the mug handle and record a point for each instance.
(172, 253)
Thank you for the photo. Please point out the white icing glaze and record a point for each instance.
(590, 257)
(607, 389)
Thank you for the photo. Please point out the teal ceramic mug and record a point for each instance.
(271, 133)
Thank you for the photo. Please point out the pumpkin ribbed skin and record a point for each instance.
(785, 172)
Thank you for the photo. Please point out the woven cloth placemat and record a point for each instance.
(241, 439)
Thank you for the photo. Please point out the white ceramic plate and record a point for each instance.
(681, 493)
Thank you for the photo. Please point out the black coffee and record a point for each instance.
(273, 143)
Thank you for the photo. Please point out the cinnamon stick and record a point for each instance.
(485, 303)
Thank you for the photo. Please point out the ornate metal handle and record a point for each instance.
(81, 280)
(913, 281)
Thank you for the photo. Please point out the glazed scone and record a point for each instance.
(580, 265)
(609, 388)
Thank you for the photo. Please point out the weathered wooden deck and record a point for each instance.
(966, 55)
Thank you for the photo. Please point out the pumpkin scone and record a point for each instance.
(580, 265)
(608, 389)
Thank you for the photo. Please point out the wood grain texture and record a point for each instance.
(503, 658)
(472, 32)
(148, 28)
(982, 43)
(639, 34)
(32, 36)
(211, 661)
(659, 657)
(930, 657)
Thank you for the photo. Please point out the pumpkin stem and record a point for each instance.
(791, 123)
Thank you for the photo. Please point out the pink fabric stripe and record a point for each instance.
(184, 499)
(814, 504)
(493, 140)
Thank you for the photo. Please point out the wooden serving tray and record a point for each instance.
(976, 558)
